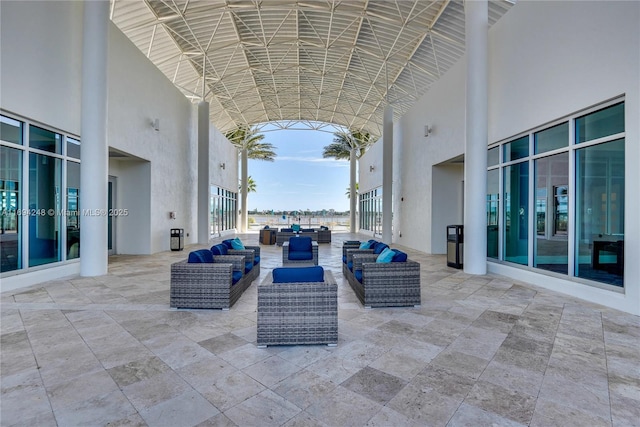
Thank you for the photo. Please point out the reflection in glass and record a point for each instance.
(493, 206)
(600, 212)
(45, 174)
(517, 149)
(605, 122)
(46, 140)
(551, 247)
(493, 156)
(516, 213)
(10, 202)
(73, 148)
(10, 130)
(552, 138)
(73, 214)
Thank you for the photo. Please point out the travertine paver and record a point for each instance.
(480, 350)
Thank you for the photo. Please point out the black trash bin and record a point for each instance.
(177, 239)
(454, 246)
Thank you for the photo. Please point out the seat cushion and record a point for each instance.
(286, 230)
(219, 249)
(350, 265)
(358, 275)
(200, 256)
(399, 256)
(385, 256)
(235, 277)
(344, 259)
(300, 256)
(298, 274)
(256, 260)
(247, 267)
(297, 244)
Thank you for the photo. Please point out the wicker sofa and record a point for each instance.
(392, 284)
(251, 253)
(284, 234)
(298, 312)
(208, 284)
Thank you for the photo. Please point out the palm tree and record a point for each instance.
(343, 142)
(348, 192)
(251, 185)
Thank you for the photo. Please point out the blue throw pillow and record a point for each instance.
(200, 256)
(297, 244)
(227, 243)
(379, 247)
(385, 256)
(219, 249)
(399, 256)
(365, 245)
(237, 244)
(286, 230)
(298, 274)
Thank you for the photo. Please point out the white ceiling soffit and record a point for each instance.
(300, 61)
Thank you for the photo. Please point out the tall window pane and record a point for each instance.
(552, 138)
(10, 202)
(516, 213)
(46, 140)
(45, 174)
(493, 206)
(73, 206)
(607, 121)
(600, 212)
(552, 213)
(517, 149)
(10, 130)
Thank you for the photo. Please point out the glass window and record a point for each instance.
(10, 202)
(516, 213)
(493, 206)
(73, 148)
(552, 138)
(517, 149)
(600, 212)
(551, 247)
(45, 174)
(10, 130)
(608, 121)
(43, 139)
(73, 205)
(493, 156)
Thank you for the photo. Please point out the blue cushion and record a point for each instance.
(219, 249)
(295, 227)
(379, 247)
(399, 256)
(350, 265)
(300, 255)
(200, 256)
(358, 275)
(247, 267)
(365, 245)
(307, 230)
(235, 277)
(344, 259)
(227, 243)
(237, 244)
(256, 260)
(385, 256)
(298, 274)
(286, 230)
(297, 244)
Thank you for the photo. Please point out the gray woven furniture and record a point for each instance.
(393, 284)
(283, 236)
(324, 236)
(287, 261)
(249, 252)
(207, 285)
(298, 313)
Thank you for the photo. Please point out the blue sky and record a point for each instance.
(299, 178)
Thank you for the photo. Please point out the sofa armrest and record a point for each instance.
(237, 261)
(359, 259)
(201, 272)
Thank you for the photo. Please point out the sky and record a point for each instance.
(299, 178)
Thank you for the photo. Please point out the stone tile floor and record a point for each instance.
(481, 350)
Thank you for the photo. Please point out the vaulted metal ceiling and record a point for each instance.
(289, 61)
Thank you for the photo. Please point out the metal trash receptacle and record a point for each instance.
(177, 239)
(455, 246)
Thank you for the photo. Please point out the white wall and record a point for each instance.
(546, 60)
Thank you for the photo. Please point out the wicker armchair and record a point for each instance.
(289, 260)
(208, 285)
(298, 313)
(324, 236)
(390, 284)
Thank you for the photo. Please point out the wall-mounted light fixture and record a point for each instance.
(427, 130)
(371, 168)
(223, 165)
(155, 124)
(172, 215)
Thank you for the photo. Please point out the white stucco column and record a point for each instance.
(387, 174)
(353, 193)
(244, 216)
(203, 173)
(475, 158)
(94, 168)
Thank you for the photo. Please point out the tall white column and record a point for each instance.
(353, 193)
(244, 216)
(203, 173)
(475, 158)
(387, 174)
(94, 168)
